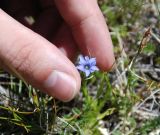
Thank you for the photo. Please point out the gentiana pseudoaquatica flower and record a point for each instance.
(87, 65)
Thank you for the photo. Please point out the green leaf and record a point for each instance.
(106, 113)
(149, 49)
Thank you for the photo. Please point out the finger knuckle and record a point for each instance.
(21, 60)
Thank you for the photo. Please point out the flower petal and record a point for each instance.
(86, 58)
(81, 68)
(94, 68)
(92, 61)
(87, 72)
(82, 60)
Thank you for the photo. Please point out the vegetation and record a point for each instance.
(124, 101)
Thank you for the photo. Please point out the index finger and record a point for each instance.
(89, 29)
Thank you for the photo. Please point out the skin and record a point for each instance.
(61, 30)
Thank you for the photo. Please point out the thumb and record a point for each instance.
(36, 60)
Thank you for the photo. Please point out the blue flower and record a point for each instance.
(87, 65)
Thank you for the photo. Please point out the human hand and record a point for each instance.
(80, 26)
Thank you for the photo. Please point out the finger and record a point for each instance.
(65, 42)
(89, 29)
(36, 60)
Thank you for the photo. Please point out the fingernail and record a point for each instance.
(61, 86)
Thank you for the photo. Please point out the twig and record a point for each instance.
(152, 96)
(155, 37)
(142, 45)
